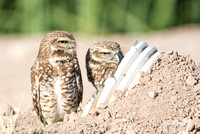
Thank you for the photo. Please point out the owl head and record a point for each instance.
(105, 52)
(58, 43)
(102, 60)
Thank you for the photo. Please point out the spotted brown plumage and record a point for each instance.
(102, 60)
(56, 78)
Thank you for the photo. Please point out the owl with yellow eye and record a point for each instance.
(102, 60)
(56, 82)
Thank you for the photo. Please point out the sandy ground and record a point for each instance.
(17, 54)
(166, 100)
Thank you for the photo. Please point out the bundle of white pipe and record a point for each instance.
(138, 59)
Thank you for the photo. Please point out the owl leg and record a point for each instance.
(66, 117)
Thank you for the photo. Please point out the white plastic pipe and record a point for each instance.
(135, 67)
(144, 69)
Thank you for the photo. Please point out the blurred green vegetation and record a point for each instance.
(95, 16)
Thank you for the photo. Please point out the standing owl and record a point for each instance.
(56, 78)
(102, 60)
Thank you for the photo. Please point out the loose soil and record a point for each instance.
(166, 100)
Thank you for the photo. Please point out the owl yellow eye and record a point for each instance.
(104, 53)
(62, 42)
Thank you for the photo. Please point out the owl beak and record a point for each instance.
(116, 58)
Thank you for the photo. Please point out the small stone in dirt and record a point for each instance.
(170, 52)
(108, 127)
(152, 94)
(148, 78)
(190, 127)
(94, 112)
(6, 110)
(106, 106)
(103, 106)
(125, 120)
(191, 80)
(159, 90)
(117, 116)
(82, 131)
(142, 74)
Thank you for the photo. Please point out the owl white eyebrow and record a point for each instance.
(105, 50)
(62, 40)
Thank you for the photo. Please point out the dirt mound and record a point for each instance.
(167, 100)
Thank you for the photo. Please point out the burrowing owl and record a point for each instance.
(56, 78)
(102, 60)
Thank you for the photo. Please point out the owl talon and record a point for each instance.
(66, 118)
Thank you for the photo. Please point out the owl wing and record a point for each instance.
(35, 88)
(79, 81)
(89, 71)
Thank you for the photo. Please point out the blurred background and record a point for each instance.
(96, 16)
(166, 24)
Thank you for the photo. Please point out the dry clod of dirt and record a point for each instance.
(191, 81)
(152, 94)
(190, 127)
(166, 100)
